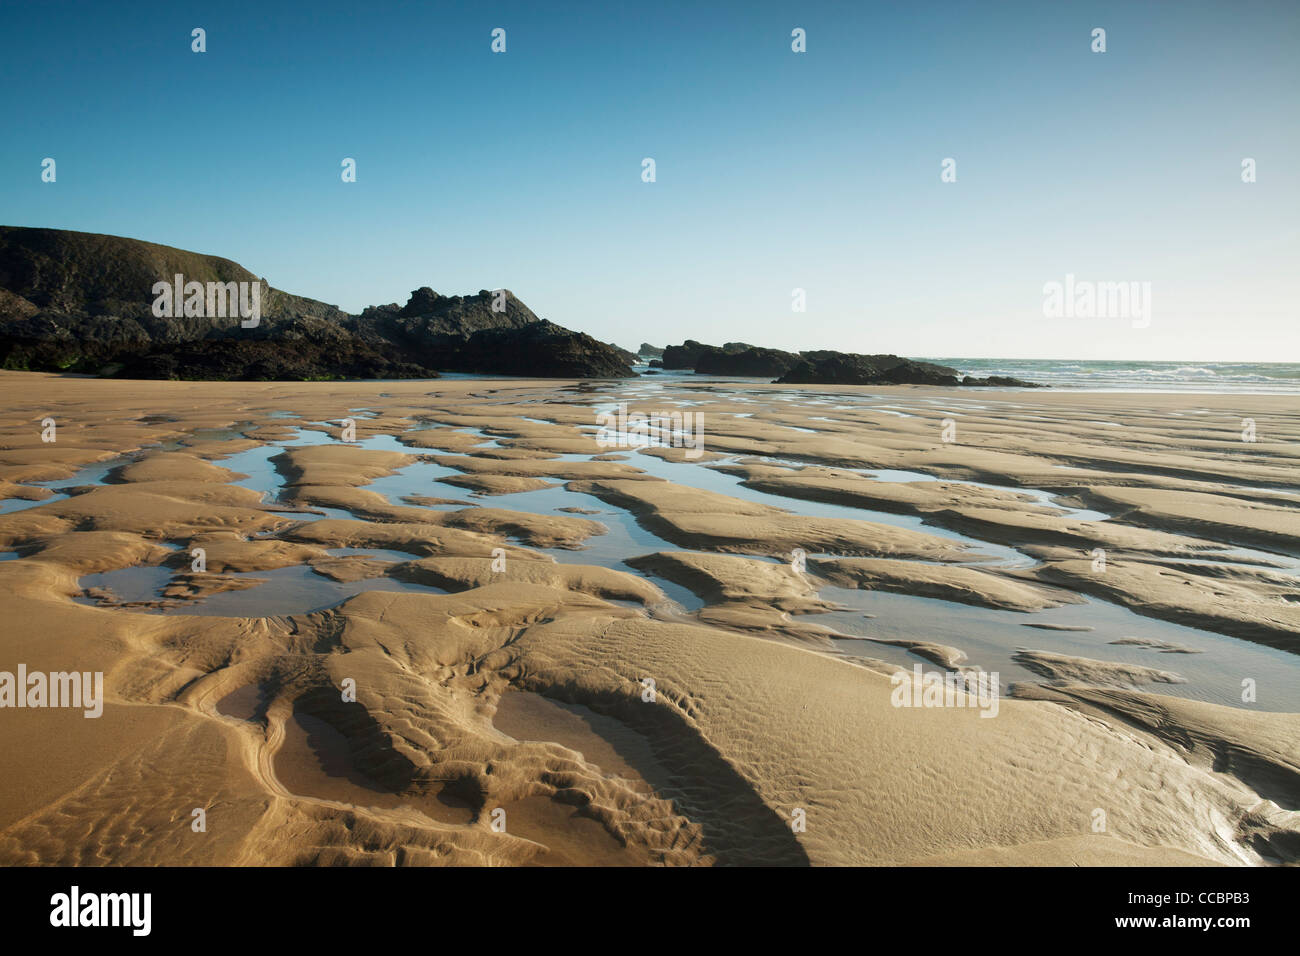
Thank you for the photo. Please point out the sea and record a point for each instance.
(1242, 377)
(1072, 374)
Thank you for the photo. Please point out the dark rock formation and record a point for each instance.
(432, 330)
(1002, 381)
(541, 349)
(823, 367)
(629, 358)
(684, 355)
(847, 368)
(650, 351)
(73, 301)
(753, 361)
(687, 355)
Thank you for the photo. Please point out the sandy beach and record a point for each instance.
(562, 650)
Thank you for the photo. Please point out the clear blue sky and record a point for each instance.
(775, 170)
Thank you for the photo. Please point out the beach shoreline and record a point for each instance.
(491, 541)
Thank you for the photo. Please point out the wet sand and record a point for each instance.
(565, 653)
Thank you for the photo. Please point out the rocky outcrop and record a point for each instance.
(72, 301)
(81, 302)
(683, 356)
(629, 358)
(265, 359)
(1001, 381)
(846, 368)
(752, 361)
(542, 349)
(689, 353)
(650, 351)
(822, 367)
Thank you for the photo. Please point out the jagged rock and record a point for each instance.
(629, 358)
(74, 301)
